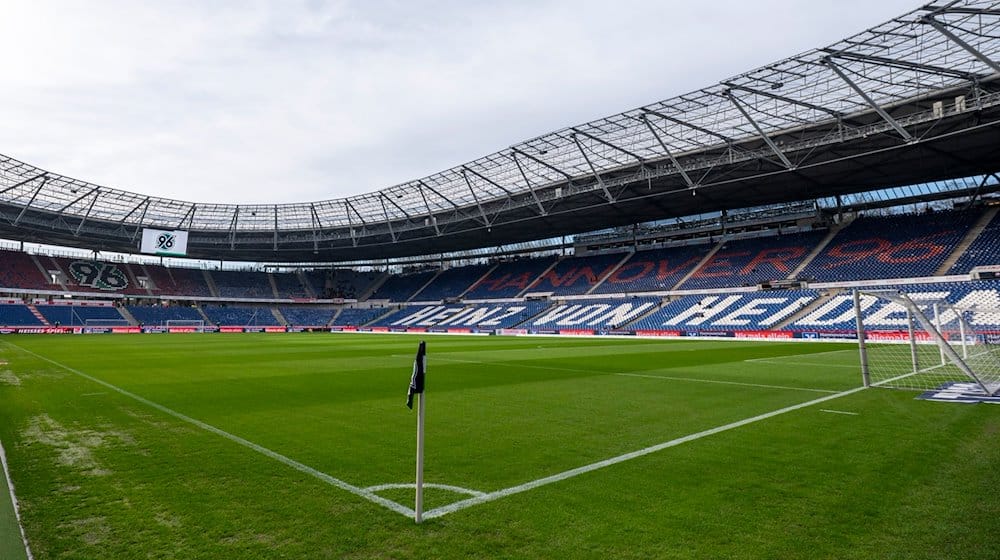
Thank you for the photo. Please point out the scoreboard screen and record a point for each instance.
(164, 242)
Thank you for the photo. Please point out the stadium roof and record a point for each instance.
(913, 99)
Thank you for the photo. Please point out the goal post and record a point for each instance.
(98, 323)
(198, 324)
(921, 342)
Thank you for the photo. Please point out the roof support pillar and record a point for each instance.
(486, 221)
(541, 209)
(316, 225)
(232, 228)
(673, 160)
(958, 41)
(871, 102)
(593, 170)
(430, 214)
(142, 217)
(89, 210)
(43, 176)
(45, 179)
(388, 222)
(767, 139)
(350, 223)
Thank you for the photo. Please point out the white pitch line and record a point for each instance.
(13, 501)
(491, 496)
(696, 380)
(361, 492)
(448, 487)
(839, 412)
(779, 361)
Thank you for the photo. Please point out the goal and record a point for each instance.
(197, 324)
(920, 341)
(100, 323)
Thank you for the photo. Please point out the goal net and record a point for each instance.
(184, 323)
(925, 343)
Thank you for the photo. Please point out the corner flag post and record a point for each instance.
(417, 389)
(419, 505)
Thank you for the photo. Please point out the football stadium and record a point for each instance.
(755, 320)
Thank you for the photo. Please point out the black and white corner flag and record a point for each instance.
(417, 379)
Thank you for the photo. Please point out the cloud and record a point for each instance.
(296, 101)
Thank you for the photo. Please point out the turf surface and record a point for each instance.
(107, 441)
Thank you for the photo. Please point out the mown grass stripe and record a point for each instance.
(357, 491)
(491, 496)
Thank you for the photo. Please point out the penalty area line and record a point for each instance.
(357, 491)
(491, 496)
(720, 382)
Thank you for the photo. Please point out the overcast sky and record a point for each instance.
(292, 101)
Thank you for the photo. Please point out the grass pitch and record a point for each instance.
(298, 446)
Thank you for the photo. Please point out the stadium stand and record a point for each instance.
(985, 250)
(452, 282)
(75, 316)
(351, 284)
(653, 270)
(491, 316)
(481, 316)
(837, 314)
(509, 279)
(18, 270)
(289, 286)
(307, 316)
(897, 246)
(576, 275)
(402, 287)
(240, 315)
(727, 312)
(186, 282)
(242, 284)
(16, 315)
(85, 275)
(601, 314)
(317, 281)
(159, 315)
(352, 317)
(748, 262)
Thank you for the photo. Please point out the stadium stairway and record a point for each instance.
(968, 240)
(611, 271)
(45, 272)
(274, 309)
(816, 251)
(478, 280)
(201, 312)
(306, 285)
(628, 326)
(333, 318)
(133, 281)
(128, 315)
(815, 304)
(415, 295)
(212, 288)
(701, 263)
(554, 264)
(367, 293)
(274, 292)
(38, 314)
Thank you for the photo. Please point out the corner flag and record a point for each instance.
(417, 379)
